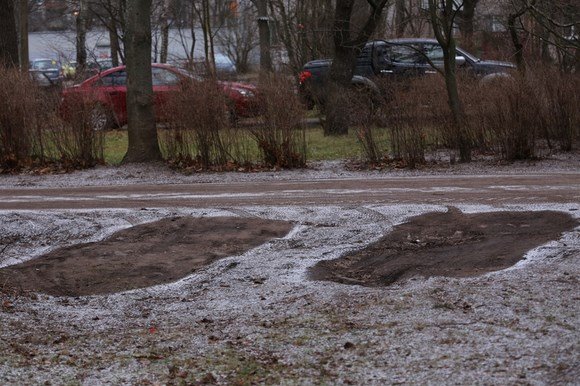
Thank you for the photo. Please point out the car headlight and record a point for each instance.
(246, 93)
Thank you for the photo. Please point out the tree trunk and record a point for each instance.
(518, 46)
(205, 20)
(8, 35)
(401, 19)
(114, 41)
(442, 23)
(466, 15)
(341, 73)
(81, 24)
(459, 122)
(164, 32)
(143, 141)
(264, 32)
(23, 27)
(346, 48)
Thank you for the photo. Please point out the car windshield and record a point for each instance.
(44, 64)
(467, 55)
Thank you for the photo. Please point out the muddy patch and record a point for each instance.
(450, 244)
(145, 255)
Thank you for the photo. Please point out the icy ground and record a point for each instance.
(257, 318)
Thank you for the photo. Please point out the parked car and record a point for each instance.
(108, 89)
(47, 72)
(395, 59)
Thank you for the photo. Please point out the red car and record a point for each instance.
(108, 90)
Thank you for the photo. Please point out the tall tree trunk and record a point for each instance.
(8, 35)
(401, 19)
(81, 25)
(264, 32)
(518, 46)
(466, 16)
(143, 141)
(164, 32)
(23, 27)
(341, 71)
(114, 42)
(442, 16)
(346, 48)
(204, 17)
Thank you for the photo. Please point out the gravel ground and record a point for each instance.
(256, 318)
(159, 174)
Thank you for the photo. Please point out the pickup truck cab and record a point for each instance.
(396, 59)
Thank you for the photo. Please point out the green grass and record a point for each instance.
(318, 146)
(115, 146)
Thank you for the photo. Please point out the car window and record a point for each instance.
(164, 77)
(117, 78)
(434, 52)
(403, 54)
(45, 64)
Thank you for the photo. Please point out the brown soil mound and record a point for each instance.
(145, 255)
(447, 244)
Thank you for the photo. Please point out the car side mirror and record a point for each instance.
(459, 60)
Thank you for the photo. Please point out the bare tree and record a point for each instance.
(8, 35)
(143, 141)
(111, 14)
(557, 26)
(81, 24)
(164, 26)
(348, 41)
(264, 31)
(513, 18)
(204, 15)
(443, 13)
(304, 28)
(23, 28)
(240, 38)
(465, 16)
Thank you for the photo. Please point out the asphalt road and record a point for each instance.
(493, 190)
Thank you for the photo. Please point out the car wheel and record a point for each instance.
(100, 118)
(497, 77)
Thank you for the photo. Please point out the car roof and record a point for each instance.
(405, 40)
(122, 67)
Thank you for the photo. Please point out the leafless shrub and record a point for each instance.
(200, 134)
(22, 119)
(561, 115)
(281, 135)
(363, 109)
(75, 142)
(32, 133)
(510, 113)
(506, 115)
(416, 110)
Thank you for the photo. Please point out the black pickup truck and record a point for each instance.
(396, 59)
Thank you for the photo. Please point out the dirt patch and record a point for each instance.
(450, 244)
(145, 255)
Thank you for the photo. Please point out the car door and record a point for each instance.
(165, 82)
(402, 60)
(112, 89)
(434, 53)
